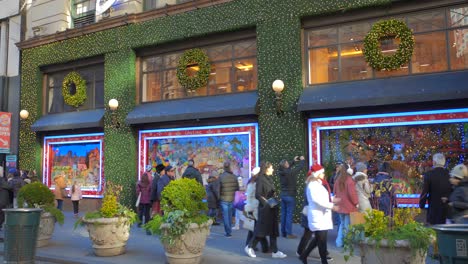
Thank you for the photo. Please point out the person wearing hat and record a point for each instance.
(165, 180)
(319, 217)
(458, 200)
(156, 206)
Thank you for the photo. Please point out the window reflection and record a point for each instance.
(233, 69)
(323, 65)
(430, 53)
(458, 40)
(353, 64)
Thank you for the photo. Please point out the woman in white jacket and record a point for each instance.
(363, 187)
(319, 213)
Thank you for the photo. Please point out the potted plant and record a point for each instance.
(109, 227)
(184, 227)
(37, 195)
(385, 239)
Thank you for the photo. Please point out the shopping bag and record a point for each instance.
(138, 200)
(239, 200)
(356, 218)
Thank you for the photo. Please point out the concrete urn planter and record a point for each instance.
(108, 235)
(384, 254)
(188, 249)
(46, 229)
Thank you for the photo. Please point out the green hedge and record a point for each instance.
(278, 26)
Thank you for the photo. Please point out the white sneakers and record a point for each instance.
(235, 227)
(250, 252)
(278, 254)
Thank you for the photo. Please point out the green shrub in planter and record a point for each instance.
(37, 195)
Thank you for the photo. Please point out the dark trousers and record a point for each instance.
(304, 241)
(273, 244)
(59, 204)
(320, 240)
(2, 217)
(144, 210)
(75, 206)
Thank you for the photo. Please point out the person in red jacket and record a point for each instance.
(345, 190)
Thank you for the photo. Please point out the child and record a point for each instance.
(76, 196)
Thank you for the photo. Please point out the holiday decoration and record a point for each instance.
(74, 81)
(388, 29)
(193, 58)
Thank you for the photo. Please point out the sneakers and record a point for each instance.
(250, 252)
(278, 254)
(228, 235)
(235, 227)
(329, 258)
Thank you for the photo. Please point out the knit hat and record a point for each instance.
(460, 172)
(315, 170)
(255, 170)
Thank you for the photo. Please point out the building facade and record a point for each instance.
(193, 80)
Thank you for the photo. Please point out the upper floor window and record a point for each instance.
(84, 12)
(154, 4)
(94, 76)
(441, 44)
(233, 69)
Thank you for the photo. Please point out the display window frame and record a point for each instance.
(318, 125)
(63, 140)
(249, 129)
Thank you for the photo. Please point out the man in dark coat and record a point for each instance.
(192, 173)
(436, 191)
(4, 199)
(165, 180)
(288, 178)
(228, 186)
(212, 193)
(154, 188)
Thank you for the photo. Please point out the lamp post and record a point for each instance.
(113, 105)
(24, 114)
(278, 87)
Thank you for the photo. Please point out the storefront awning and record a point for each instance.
(396, 90)
(69, 120)
(240, 104)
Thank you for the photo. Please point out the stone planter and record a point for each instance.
(188, 249)
(108, 235)
(384, 254)
(46, 229)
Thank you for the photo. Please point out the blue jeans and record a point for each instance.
(344, 224)
(59, 204)
(227, 216)
(288, 203)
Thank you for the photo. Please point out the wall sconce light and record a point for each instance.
(278, 86)
(113, 105)
(24, 114)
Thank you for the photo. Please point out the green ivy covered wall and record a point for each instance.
(279, 55)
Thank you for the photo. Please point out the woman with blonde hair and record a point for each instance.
(319, 217)
(76, 196)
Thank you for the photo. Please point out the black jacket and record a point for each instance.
(459, 200)
(288, 177)
(212, 192)
(267, 223)
(154, 187)
(192, 173)
(436, 186)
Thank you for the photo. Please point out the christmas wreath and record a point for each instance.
(391, 28)
(190, 58)
(74, 89)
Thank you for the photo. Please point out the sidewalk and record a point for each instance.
(74, 247)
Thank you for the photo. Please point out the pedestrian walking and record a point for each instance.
(143, 189)
(4, 199)
(458, 200)
(15, 182)
(212, 194)
(155, 202)
(75, 197)
(383, 189)
(288, 180)
(363, 187)
(169, 175)
(60, 192)
(228, 186)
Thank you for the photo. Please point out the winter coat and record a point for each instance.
(459, 202)
(154, 187)
(267, 223)
(251, 205)
(319, 214)
(15, 184)
(384, 192)
(436, 186)
(4, 193)
(162, 183)
(349, 199)
(288, 177)
(145, 192)
(192, 173)
(60, 186)
(228, 186)
(77, 195)
(212, 192)
(363, 190)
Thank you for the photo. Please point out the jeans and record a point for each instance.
(344, 224)
(59, 204)
(288, 203)
(227, 214)
(144, 210)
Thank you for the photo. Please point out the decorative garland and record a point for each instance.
(79, 97)
(391, 28)
(191, 57)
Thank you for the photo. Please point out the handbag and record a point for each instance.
(272, 202)
(356, 218)
(249, 224)
(138, 200)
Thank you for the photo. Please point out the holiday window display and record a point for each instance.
(406, 140)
